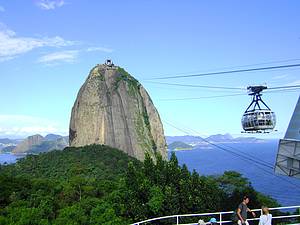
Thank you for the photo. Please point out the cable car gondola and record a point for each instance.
(257, 119)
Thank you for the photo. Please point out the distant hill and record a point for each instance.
(7, 149)
(37, 143)
(248, 139)
(93, 161)
(28, 143)
(6, 142)
(47, 146)
(52, 137)
(225, 138)
(220, 138)
(178, 145)
(10, 141)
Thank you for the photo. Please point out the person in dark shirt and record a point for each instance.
(242, 210)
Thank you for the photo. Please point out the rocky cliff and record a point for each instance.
(37, 144)
(113, 108)
(28, 143)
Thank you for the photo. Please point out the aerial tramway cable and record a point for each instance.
(222, 87)
(203, 97)
(198, 86)
(277, 90)
(239, 66)
(258, 163)
(229, 72)
(258, 117)
(250, 158)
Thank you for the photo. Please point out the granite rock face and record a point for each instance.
(113, 108)
(28, 143)
(37, 143)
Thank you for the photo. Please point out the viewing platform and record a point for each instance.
(283, 215)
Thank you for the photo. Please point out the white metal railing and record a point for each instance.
(220, 216)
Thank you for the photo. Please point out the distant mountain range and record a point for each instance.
(34, 144)
(6, 144)
(37, 143)
(5, 141)
(217, 138)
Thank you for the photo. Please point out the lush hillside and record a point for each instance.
(93, 161)
(101, 185)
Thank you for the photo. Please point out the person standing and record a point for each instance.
(242, 211)
(266, 217)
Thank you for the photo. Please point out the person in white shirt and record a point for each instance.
(266, 217)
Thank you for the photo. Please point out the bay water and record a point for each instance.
(207, 160)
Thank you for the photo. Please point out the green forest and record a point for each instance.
(98, 184)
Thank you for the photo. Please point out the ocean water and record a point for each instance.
(9, 158)
(211, 161)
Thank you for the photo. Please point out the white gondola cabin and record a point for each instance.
(258, 117)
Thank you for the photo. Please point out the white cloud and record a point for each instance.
(23, 126)
(68, 56)
(50, 4)
(2, 9)
(62, 56)
(100, 49)
(11, 45)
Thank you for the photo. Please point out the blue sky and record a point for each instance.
(47, 49)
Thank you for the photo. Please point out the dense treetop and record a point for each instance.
(97, 184)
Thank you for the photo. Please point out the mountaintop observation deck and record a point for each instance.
(283, 215)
